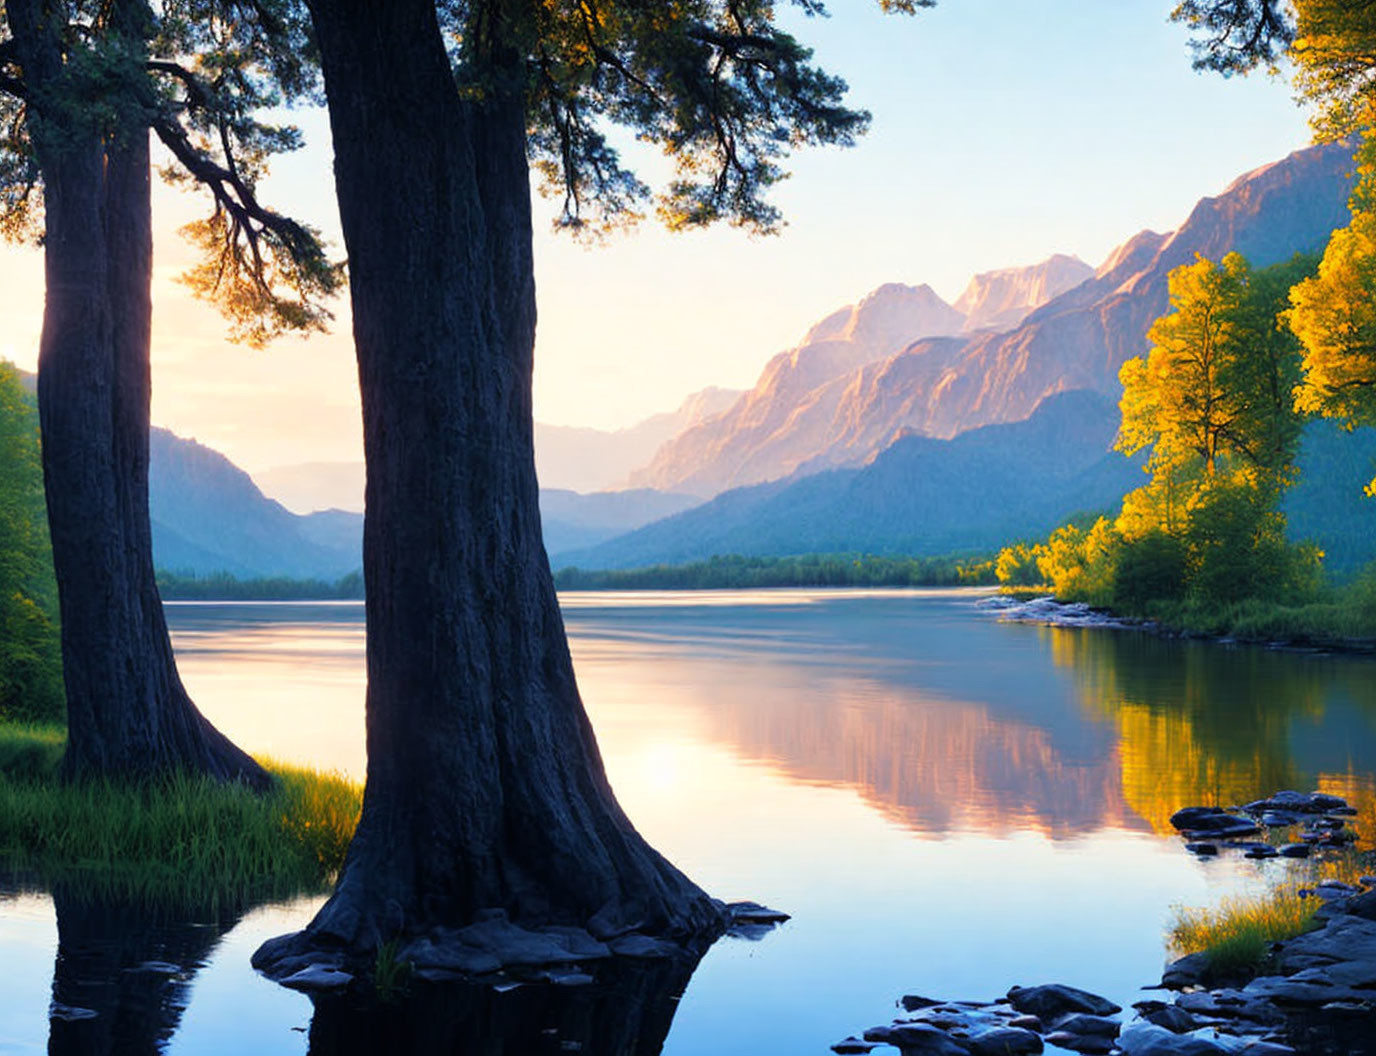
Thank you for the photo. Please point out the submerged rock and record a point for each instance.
(1213, 821)
(854, 1047)
(318, 978)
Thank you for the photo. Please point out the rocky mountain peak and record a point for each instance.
(1000, 300)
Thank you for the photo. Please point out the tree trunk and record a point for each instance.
(127, 713)
(485, 787)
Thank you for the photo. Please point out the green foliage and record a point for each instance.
(1237, 549)
(30, 650)
(179, 840)
(810, 570)
(1152, 566)
(221, 586)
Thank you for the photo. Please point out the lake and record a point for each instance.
(947, 804)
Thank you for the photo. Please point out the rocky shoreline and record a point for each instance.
(1315, 997)
(1046, 609)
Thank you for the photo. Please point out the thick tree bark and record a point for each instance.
(127, 712)
(485, 787)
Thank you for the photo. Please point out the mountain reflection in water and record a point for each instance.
(947, 724)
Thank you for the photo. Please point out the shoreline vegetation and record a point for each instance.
(179, 841)
(730, 572)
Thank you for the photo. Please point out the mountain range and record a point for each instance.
(837, 399)
(899, 424)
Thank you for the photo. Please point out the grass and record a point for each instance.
(1236, 936)
(184, 840)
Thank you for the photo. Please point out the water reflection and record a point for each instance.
(1198, 723)
(123, 972)
(626, 1011)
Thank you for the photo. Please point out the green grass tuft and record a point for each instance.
(184, 840)
(1236, 936)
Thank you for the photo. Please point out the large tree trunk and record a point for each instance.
(485, 787)
(127, 713)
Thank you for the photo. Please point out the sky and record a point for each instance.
(1003, 131)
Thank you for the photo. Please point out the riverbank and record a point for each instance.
(1317, 627)
(183, 840)
(1316, 998)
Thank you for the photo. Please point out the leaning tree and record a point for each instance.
(82, 84)
(485, 789)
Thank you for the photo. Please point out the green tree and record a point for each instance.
(30, 660)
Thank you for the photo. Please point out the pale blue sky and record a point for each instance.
(1004, 131)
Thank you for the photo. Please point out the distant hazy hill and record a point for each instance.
(567, 458)
(809, 418)
(209, 516)
(918, 496)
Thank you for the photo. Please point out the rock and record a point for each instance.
(1087, 1043)
(1004, 1041)
(1028, 1023)
(1202, 849)
(1323, 801)
(1295, 850)
(1187, 971)
(1364, 905)
(917, 1039)
(1147, 1039)
(1359, 974)
(1291, 992)
(854, 1047)
(318, 978)
(637, 945)
(1083, 1023)
(1275, 819)
(1212, 820)
(1054, 1000)
(1173, 1018)
(1266, 1048)
(754, 913)
(444, 952)
(1261, 850)
(912, 1002)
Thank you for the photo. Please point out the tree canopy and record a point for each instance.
(199, 74)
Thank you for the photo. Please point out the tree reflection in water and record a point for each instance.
(626, 1011)
(1203, 723)
(123, 973)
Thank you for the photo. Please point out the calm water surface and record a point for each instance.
(947, 804)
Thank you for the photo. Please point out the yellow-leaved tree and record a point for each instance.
(1334, 315)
